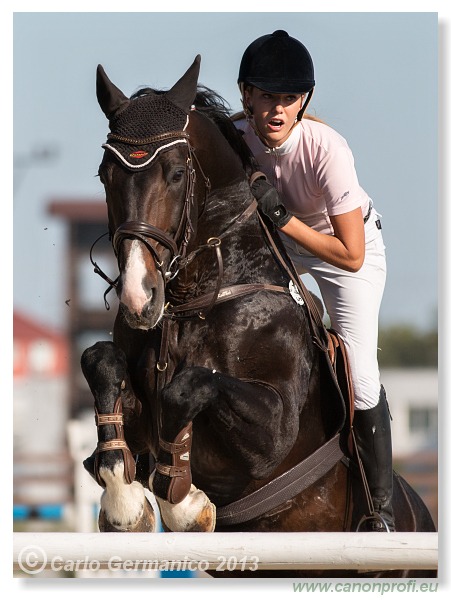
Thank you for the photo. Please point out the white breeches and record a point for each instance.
(352, 301)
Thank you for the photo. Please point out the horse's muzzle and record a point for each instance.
(147, 318)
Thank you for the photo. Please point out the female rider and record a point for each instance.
(329, 227)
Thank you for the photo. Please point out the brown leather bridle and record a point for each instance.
(145, 232)
(177, 246)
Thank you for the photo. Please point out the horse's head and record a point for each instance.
(148, 177)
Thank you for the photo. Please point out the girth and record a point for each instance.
(282, 488)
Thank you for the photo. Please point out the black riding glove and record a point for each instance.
(269, 202)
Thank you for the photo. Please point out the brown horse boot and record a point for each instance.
(179, 470)
(373, 437)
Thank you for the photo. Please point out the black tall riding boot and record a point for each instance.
(373, 436)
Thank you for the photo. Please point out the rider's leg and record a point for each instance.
(373, 437)
(352, 301)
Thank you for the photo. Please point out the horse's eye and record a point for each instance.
(178, 175)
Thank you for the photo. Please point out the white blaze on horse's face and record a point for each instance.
(133, 295)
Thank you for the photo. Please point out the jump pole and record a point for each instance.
(227, 551)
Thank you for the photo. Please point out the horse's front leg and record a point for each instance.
(124, 506)
(248, 418)
(182, 506)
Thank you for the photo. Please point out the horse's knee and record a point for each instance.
(190, 392)
(104, 366)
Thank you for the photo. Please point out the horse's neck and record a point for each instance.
(217, 159)
(223, 214)
(225, 208)
(240, 256)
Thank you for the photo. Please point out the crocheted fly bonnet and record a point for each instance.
(149, 123)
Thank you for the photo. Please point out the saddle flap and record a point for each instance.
(337, 393)
(340, 361)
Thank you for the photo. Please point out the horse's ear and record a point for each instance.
(110, 98)
(182, 94)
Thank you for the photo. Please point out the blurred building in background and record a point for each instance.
(88, 320)
(42, 468)
(413, 399)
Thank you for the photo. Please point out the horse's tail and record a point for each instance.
(411, 512)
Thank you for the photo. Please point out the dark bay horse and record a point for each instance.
(213, 386)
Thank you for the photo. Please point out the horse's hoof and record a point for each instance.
(206, 520)
(145, 524)
(195, 513)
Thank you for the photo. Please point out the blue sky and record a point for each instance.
(376, 75)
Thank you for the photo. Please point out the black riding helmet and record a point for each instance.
(279, 64)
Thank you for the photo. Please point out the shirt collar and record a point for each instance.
(288, 145)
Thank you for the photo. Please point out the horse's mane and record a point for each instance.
(218, 110)
(215, 108)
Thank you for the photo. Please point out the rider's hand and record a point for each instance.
(269, 202)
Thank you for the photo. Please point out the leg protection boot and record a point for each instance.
(373, 437)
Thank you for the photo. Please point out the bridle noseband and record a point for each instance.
(145, 232)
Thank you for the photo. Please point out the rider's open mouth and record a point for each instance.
(275, 124)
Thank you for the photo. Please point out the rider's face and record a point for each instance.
(274, 114)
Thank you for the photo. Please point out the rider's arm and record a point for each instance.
(345, 249)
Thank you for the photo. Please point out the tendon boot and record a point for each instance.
(373, 438)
